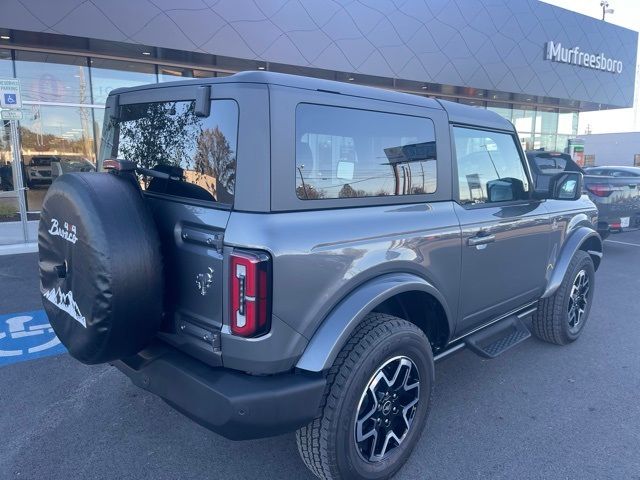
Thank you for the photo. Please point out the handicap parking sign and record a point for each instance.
(10, 93)
(26, 336)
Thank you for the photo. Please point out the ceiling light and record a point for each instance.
(146, 53)
(424, 87)
(5, 37)
(351, 79)
(261, 67)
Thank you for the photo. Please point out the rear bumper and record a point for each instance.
(234, 404)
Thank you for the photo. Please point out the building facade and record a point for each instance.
(613, 149)
(537, 65)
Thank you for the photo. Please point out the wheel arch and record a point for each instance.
(390, 293)
(582, 238)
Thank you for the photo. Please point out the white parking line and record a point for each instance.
(623, 243)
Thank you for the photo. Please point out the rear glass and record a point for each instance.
(548, 164)
(198, 153)
(343, 153)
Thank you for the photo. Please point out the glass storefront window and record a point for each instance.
(107, 75)
(472, 102)
(523, 117)
(50, 77)
(503, 109)
(526, 140)
(170, 74)
(562, 142)
(6, 67)
(546, 120)
(568, 123)
(55, 140)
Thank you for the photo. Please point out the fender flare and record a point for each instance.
(573, 243)
(337, 327)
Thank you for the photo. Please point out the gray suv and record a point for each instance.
(270, 253)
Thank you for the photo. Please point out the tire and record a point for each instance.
(328, 444)
(101, 275)
(553, 322)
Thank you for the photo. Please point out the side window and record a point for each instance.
(343, 152)
(489, 167)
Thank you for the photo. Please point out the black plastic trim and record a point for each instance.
(236, 405)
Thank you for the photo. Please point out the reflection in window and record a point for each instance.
(55, 140)
(342, 152)
(568, 123)
(198, 154)
(107, 75)
(6, 68)
(546, 120)
(523, 118)
(489, 167)
(171, 74)
(49, 77)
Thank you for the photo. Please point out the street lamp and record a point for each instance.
(605, 8)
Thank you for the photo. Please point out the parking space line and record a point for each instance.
(623, 243)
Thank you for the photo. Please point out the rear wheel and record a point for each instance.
(376, 403)
(560, 318)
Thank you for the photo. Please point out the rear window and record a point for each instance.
(198, 153)
(346, 153)
(550, 164)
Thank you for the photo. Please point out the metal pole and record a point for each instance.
(17, 177)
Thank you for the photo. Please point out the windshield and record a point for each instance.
(198, 153)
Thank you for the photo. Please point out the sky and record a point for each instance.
(626, 14)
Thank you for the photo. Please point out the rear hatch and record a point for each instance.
(187, 141)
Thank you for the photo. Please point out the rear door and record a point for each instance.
(505, 233)
(190, 187)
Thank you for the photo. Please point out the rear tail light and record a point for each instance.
(250, 302)
(600, 189)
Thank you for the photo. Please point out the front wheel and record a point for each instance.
(561, 317)
(376, 403)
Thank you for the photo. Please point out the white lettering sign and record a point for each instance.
(68, 232)
(574, 56)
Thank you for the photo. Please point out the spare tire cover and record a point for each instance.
(100, 266)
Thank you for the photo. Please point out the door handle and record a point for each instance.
(480, 240)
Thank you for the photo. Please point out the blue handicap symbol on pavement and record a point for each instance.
(25, 336)
(10, 98)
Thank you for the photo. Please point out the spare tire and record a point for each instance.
(101, 275)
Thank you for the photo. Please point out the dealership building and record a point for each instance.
(535, 64)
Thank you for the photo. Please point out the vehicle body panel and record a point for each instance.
(345, 254)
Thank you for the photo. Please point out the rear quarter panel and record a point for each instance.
(320, 256)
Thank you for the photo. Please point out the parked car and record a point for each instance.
(62, 165)
(617, 197)
(614, 171)
(38, 170)
(339, 246)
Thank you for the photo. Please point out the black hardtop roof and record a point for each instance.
(458, 113)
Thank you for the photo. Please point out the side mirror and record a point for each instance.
(505, 190)
(566, 186)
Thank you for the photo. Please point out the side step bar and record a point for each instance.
(492, 339)
(498, 338)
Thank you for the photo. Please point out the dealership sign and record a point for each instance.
(574, 56)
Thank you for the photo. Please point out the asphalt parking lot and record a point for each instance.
(537, 412)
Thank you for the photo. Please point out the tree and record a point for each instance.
(215, 158)
(158, 134)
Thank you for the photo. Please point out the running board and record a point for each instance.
(498, 338)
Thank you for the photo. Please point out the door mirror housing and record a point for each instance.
(561, 186)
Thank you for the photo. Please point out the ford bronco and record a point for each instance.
(270, 253)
